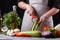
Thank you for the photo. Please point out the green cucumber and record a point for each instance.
(34, 25)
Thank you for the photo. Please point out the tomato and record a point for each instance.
(21, 35)
(46, 28)
(34, 16)
(58, 33)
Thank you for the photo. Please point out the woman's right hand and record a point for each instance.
(30, 10)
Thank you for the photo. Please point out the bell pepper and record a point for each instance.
(21, 35)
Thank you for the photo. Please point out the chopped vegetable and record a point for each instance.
(21, 35)
(16, 30)
(46, 34)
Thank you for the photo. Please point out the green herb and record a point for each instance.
(9, 18)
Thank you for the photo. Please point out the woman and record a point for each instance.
(40, 6)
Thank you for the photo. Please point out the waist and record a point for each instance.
(38, 6)
(39, 2)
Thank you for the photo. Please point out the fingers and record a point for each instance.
(28, 11)
(42, 19)
(39, 22)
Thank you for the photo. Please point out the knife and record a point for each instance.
(38, 25)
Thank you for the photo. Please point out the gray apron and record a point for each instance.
(41, 7)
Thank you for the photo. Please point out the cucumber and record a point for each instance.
(34, 25)
(33, 32)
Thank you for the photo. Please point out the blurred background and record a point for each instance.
(6, 6)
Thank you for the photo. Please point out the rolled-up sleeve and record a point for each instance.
(57, 4)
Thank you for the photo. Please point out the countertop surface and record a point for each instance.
(5, 37)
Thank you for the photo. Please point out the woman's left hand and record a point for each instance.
(42, 18)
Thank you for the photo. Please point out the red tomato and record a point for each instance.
(33, 17)
(21, 35)
(46, 28)
(58, 33)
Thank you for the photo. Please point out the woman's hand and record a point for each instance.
(49, 13)
(30, 10)
(42, 18)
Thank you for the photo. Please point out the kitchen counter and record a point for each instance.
(5, 37)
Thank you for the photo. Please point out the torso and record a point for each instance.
(39, 5)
